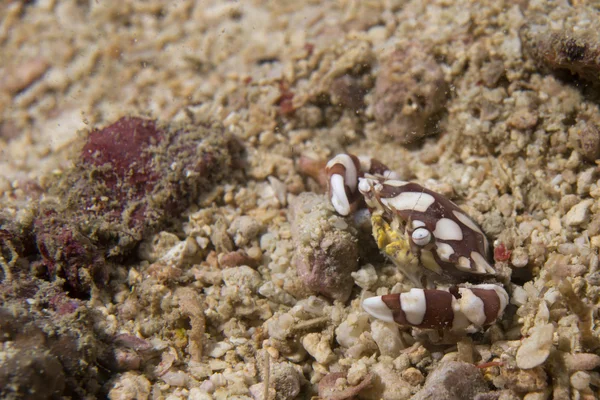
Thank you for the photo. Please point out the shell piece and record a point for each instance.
(535, 349)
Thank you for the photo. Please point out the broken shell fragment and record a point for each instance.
(536, 348)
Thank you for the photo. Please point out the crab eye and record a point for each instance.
(421, 236)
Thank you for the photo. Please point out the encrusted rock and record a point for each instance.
(453, 380)
(31, 374)
(572, 47)
(409, 91)
(326, 249)
(285, 380)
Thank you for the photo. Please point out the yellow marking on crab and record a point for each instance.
(393, 244)
(429, 262)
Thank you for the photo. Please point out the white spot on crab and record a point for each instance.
(444, 250)
(472, 306)
(393, 176)
(481, 265)
(351, 174)
(405, 201)
(395, 182)
(378, 309)
(414, 305)
(365, 162)
(416, 224)
(365, 185)
(502, 295)
(469, 223)
(460, 321)
(339, 200)
(447, 229)
(464, 264)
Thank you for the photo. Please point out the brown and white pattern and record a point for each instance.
(458, 308)
(445, 240)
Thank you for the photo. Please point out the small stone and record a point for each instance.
(522, 119)
(244, 229)
(317, 345)
(535, 396)
(285, 380)
(580, 380)
(413, 376)
(387, 337)
(585, 180)
(18, 77)
(523, 381)
(589, 138)
(579, 213)
(176, 378)
(243, 277)
(130, 386)
(519, 257)
(365, 277)
(219, 349)
(387, 384)
(334, 386)
(155, 248)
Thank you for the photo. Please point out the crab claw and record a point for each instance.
(343, 172)
(460, 309)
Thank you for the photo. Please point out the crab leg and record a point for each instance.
(459, 308)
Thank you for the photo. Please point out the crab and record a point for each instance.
(438, 247)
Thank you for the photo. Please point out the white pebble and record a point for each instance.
(176, 378)
(387, 337)
(220, 349)
(365, 277)
(579, 213)
(580, 380)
